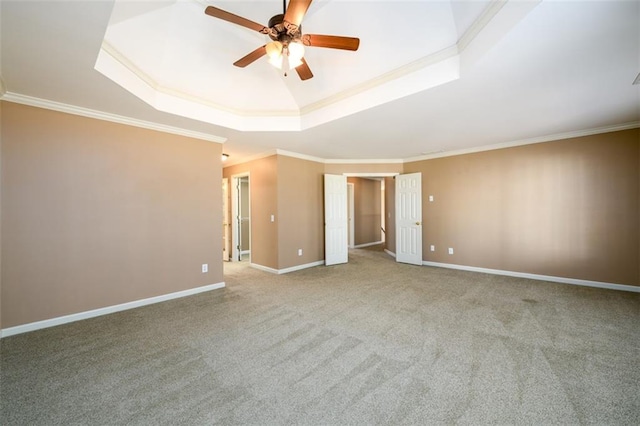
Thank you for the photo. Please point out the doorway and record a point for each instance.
(342, 218)
(226, 241)
(241, 217)
(366, 211)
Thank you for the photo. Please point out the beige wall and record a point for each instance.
(96, 214)
(366, 215)
(263, 189)
(300, 207)
(567, 208)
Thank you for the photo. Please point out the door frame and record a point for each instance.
(235, 215)
(351, 207)
(226, 243)
(372, 175)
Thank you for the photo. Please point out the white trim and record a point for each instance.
(300, 156)
(441, 153)
(243, 252)
(490, 11)
(338, 160)
(315, 159)
(263, 268)
(531, 141)
(381, 80)
(154, 85)
(3, 88)
(286, 270)
(105, 116)
(300, 267)
(368, 244)
(106, 310)
(370, 175)
(365, 161)
(246, 160)
(562, 280)
(390, 253)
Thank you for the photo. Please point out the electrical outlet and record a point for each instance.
(205, 268)
(299, 252)
(273, 218)
(433, 248)
(450, 250)
(431, 198)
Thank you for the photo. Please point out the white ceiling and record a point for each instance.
(532, 70)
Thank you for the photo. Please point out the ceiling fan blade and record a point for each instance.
(296, 11)
(304, 72)
(331, 42)
(251, 57)
(235, 19)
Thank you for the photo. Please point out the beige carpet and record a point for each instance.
(370, 342)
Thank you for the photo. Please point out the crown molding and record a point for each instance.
(383, 79)
(531, 141)
(490, 11)
(300, 156)
(337, 160)
(154, 85)
(245, 160)
(105, 116)
(364, 161)
(315, 159)
(441, 154)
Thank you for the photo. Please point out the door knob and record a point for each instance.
(417, 223)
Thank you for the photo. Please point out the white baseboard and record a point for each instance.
(263, 268)
(562, 280)
(243, 252)
(368, 244)
(390, 253)
(287, 270)
(5, 332)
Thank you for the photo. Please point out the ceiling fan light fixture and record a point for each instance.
(285, 29)
(274, 52)
(296, 52)
(274, 48)
(276, 61)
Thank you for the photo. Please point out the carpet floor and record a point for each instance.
(368, 342)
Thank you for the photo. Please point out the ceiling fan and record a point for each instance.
(285, 31)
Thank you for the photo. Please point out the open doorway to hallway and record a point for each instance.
(366, 211)
(358, 208)
(240, 218)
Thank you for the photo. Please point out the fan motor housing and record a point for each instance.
(280, 31)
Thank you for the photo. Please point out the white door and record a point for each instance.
(335, 220)
(409, 218)
(225, 219)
